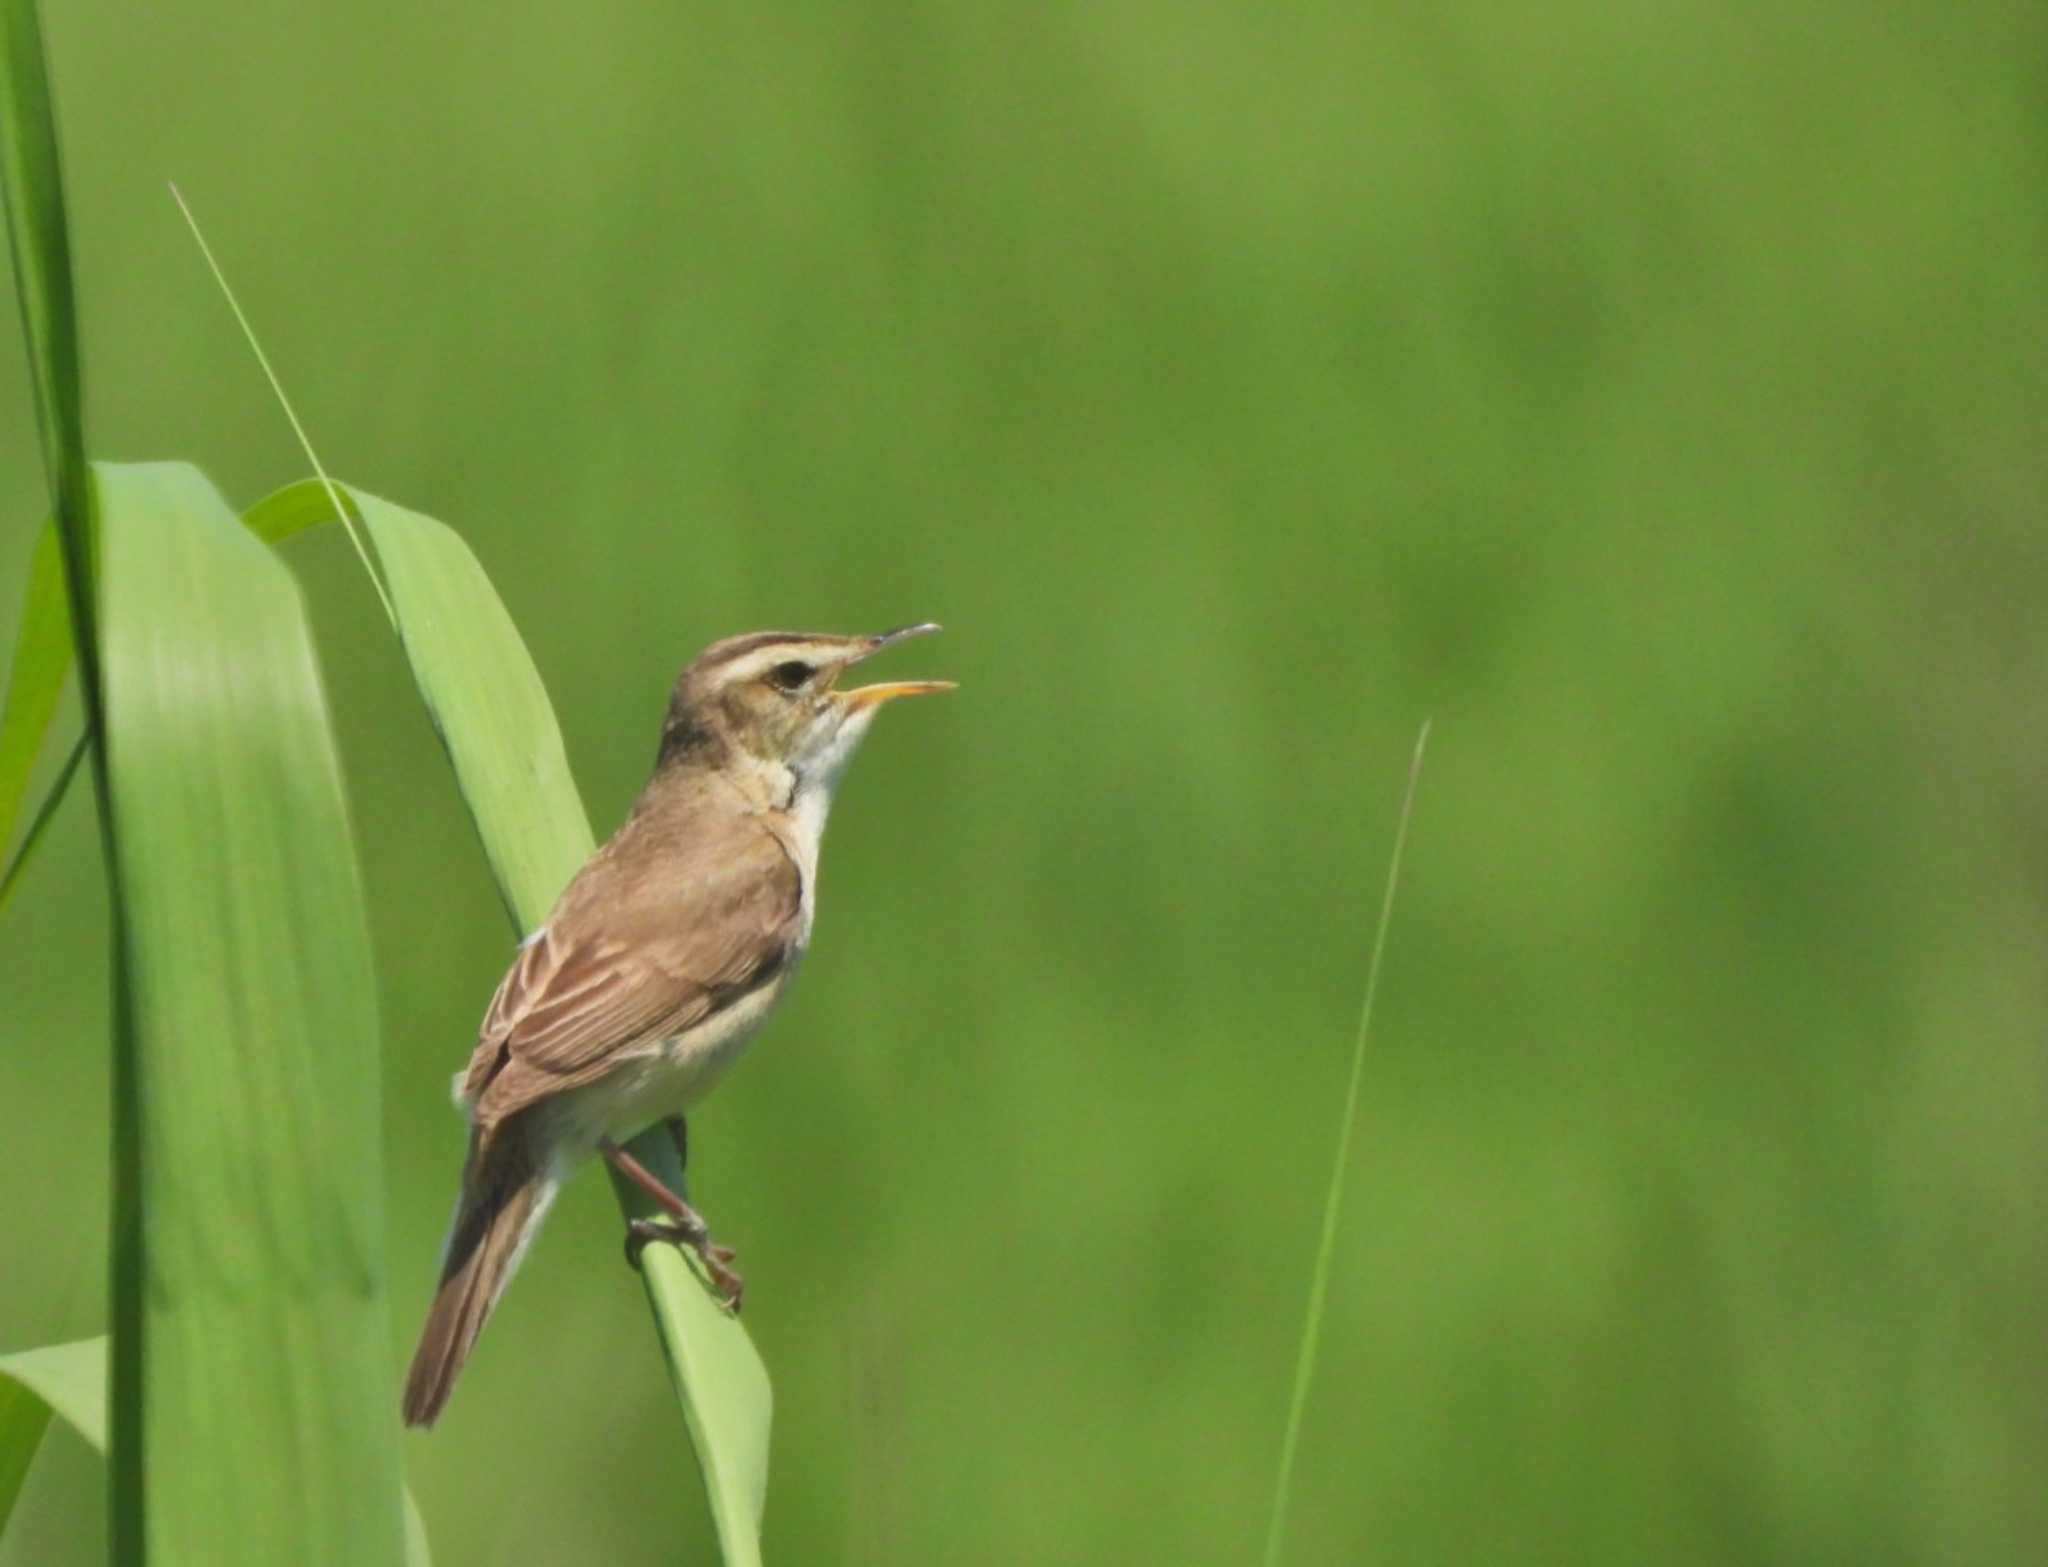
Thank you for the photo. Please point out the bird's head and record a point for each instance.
(773, 697)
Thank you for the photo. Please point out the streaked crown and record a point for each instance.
(772, 695)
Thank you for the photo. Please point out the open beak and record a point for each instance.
(875, 696)
(862, 697)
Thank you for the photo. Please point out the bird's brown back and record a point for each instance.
(693, 902)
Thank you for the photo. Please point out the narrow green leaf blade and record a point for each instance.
(488, 705)
(481, 690)
(45, 814)
(416, 1552)
(252, 1420)
(726, 1398)
(35, 677)
(39, 237)
(32, 180)
(493, 715)
(1333, 1199)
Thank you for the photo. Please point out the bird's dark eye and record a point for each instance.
(790, 676)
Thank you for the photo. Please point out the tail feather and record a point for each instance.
(505, 1195)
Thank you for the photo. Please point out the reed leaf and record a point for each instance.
(40, 823)
(35, 681)
(246, 1400)
(492, 713)
(32, 177)
(253, 1283)
(535, 834)
(70, 1381)
(494, 719)
(35, 676)
(67, 1379)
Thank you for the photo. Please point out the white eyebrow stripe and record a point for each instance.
(761, 660)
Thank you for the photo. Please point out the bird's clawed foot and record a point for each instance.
(717, 1259)
(685, 1226)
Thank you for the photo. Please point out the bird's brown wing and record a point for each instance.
(641, 947)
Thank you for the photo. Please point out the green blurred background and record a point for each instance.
(1656, 395)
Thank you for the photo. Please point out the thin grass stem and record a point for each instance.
(1326, 1245)
(277, 386)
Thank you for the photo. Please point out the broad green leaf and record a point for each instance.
(43, 659)
(70, 1381)
(493, 715)
(251, 1414)
(291, 510)
(481, 690)
(247, 1402)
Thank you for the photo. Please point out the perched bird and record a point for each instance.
(658, 962)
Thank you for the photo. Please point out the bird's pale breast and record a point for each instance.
(666, 1079)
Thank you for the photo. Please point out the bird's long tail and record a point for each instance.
(507, 1188)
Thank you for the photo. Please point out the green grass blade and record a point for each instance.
(257, 1424)
(32, 176)
(35, 677)
(719, 1376)
(23, 1419)
(336, 511)
(32, 185)
(483, 694)
(416, 1552)
(494, 718)
(45, 814)
(1333, 1200)
(246, 1246)
(31, 182)
(42, 658)
(293, 509)
(70, 1381)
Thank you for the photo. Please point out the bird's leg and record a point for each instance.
(685, 1226)
(679, 1134)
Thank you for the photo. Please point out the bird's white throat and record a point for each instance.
(816, 780)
